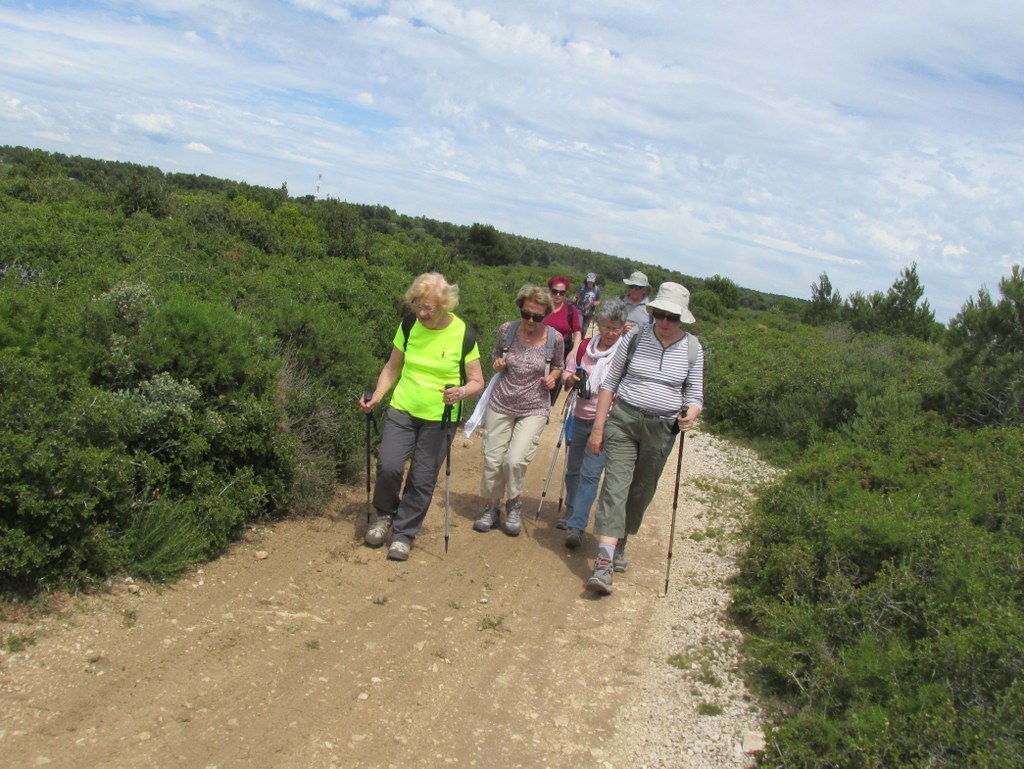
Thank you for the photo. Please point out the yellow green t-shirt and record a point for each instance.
(431, 361)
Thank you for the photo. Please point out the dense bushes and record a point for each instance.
(789, 384)
(886, 598)
(883, 586)
(181, 355)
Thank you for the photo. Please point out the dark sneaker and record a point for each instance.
(563, 523)
(514, 518)
(489, 519)
(619, 559)
(399, 551)
(573, 539)
(379, 531)
(601, 580)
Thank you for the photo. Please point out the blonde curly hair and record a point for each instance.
(433, 284)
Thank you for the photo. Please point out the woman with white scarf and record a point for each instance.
(583, 468)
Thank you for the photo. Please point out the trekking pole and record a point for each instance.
(675, 506)
(446, 424)
(571, 421)
(369, 422)
(554, 457)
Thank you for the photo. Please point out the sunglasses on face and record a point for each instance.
(659, 315)
(558, 291)
(536, 317)
(633, 288)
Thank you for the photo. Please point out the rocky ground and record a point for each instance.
(302, 648)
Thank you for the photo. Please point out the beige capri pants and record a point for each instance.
(510, 444)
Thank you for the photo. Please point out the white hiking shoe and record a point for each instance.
(514, 518)
(399, 551)
(379, 531)
(489, 519)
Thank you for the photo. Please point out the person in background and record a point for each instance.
(419, 369)
(657, 393)
(517, 410)
(563, 316)
(587, 300)
(637, 290)
(586, 372)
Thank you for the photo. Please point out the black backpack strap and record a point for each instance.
(510, 337)
(407, 323)
(468, 340)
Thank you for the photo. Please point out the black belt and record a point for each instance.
(643, 412)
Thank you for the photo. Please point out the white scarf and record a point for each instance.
(603, 358)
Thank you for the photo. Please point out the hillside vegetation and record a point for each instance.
(181, 355)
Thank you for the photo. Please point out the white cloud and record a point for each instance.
(761, 142)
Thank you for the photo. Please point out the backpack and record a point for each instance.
(549, 345)
(691, 351)
(582, 350)
(468, 340)
(691, 357)
(571, 312)
(585, 300)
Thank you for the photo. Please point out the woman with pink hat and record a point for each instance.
(657, 381)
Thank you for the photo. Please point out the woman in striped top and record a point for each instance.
(658, 391)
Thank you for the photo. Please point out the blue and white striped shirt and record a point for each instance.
(660, 379)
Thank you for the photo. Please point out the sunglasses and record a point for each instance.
(558, 291)
(634, 287)
(659, 315)
(536, 317)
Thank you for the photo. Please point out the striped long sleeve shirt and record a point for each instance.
(659, 379)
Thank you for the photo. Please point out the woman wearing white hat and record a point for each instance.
(658, 386)
(638, 287)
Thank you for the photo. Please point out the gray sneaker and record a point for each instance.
(379, 531)
(563, 523)
(489, 519)
(573, 539)
(601, 580)
(514, 518)
(619, 559)
(399, 551)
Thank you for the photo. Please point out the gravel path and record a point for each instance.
(303, 648)
(693, 710)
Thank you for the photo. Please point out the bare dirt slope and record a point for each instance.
(303, 648)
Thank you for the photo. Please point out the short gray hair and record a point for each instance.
(613, 309)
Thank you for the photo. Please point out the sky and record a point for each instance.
(765, 141)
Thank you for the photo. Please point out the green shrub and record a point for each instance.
(885, 611)
(163, 539)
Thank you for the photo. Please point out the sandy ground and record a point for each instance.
(303, 648)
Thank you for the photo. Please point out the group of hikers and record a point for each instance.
(632, 385)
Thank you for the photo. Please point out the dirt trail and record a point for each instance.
(303, 648)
